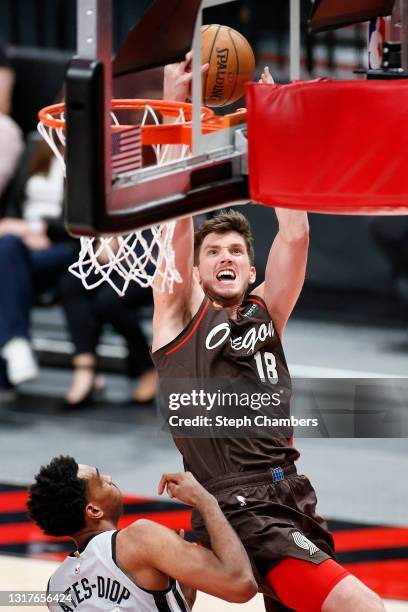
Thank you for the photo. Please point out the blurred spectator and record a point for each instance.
(87, 312)
(11, 140)
(34, 252)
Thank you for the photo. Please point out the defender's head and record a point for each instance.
(224, 257)
(67, 498)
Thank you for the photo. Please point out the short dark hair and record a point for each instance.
(57, 498)
(223, 222)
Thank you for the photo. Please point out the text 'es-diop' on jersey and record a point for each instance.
(93, 582)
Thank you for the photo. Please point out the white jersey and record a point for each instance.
(95, 582)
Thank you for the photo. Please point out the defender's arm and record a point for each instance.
(224, 571)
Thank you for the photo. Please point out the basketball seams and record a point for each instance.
(230, 70)
(237, 67)
(209, 59)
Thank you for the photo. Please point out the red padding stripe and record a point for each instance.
(197, 323)
(304, 586)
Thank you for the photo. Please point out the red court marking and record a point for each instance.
(361, 539)
(24, 533)
(51, 556)
(181, 519)
(197, 323)
(387, 578)
(13, 501)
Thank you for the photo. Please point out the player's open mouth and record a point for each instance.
(227, 275)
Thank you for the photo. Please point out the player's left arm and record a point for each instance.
(286, 266)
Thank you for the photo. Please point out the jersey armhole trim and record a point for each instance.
(113, 547)
(172, 582)
(256, 300)
(191, 332)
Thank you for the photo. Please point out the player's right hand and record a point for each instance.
(184, 487)
(178, 78)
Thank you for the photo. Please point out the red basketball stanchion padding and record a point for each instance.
(329, 146)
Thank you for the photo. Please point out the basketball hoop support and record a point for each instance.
(95, 206)
(89, 93)
(295, 40)
(198, 142)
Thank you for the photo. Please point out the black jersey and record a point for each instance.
(240, 359)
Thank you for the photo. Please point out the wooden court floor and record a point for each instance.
(32, 575)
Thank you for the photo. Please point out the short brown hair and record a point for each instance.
(223, 222)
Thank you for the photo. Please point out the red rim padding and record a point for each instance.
(329, 146)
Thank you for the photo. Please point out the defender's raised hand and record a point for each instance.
(184, 487)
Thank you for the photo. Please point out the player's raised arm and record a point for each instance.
(286, 266)
(172, 310)
(224, 571)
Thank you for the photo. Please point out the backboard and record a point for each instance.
(100, 203)
(331, 14)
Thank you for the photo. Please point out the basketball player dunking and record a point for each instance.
(209, 329)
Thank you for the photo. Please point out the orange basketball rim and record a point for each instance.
(155, 134)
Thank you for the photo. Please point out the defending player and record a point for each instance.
(208, 330)
(129, 569)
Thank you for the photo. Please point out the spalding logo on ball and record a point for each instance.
(232, 64)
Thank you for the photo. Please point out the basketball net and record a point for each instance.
(145, 256)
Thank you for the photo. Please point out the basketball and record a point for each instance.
(232, 64)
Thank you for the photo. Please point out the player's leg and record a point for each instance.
(326, 587)
(351, 595)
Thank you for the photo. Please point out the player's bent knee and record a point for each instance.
(351, 595)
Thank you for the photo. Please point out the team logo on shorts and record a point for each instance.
(242, 500)
(302, 541)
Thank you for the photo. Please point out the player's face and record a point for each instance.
(224, 267)
(102, 494)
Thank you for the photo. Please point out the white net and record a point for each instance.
(144, 256)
